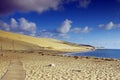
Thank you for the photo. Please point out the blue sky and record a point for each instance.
(93, 22)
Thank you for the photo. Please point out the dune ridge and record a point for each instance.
(9, 40)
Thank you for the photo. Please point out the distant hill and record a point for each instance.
(13, 41)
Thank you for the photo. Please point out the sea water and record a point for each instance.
(101, 53)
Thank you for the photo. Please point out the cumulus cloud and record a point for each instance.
(21, 26)
(109, 26)
(7, 6)
(51, 34)
(4, 26)
(14, 23)
(45, 34)
(81, 30)
(86, 29)
(10, 6)
(27, 26)
(60, 32)
(65, 27)
(66, 36)
(84, 3)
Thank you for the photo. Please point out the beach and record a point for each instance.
(37, 67)
(59, 40)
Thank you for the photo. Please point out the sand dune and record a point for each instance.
(10, 41)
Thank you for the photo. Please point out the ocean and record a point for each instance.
(100, 53)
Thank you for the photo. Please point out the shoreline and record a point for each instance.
(69, 53)
(88, 57)
(72, 55)
(63, 54)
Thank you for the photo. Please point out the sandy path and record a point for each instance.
(15, 71)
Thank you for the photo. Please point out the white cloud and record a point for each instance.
(45, 34)
(118, 25)
(29, 5)
(4, 26)
(14, 23)
(37, 5)
(65, 27)
(109, 26)
(84, 3)
(27, 26)
(21, 26)
(81, 30)
(76, 30)
(86, 29)
(66, 36)
(48, 34)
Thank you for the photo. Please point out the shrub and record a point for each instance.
(76, 57)
(1, 55)
(40, 52)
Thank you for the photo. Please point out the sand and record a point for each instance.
(37, 67)
(4, 62)
(15, 71)
(12, 41)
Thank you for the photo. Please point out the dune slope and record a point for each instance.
(10, 41)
